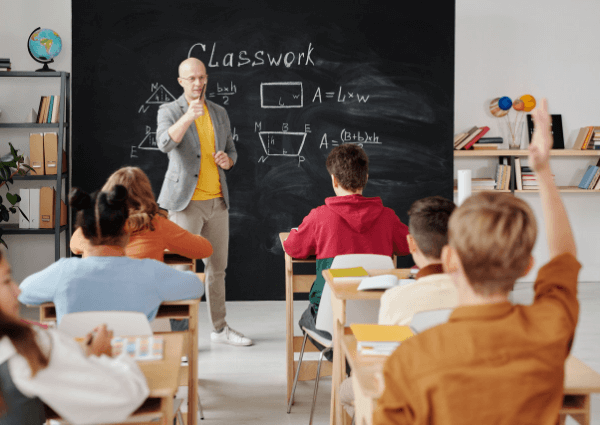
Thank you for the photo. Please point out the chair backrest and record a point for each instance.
(424, 320)
(363, 311)
(122, 323)
(324, 321)
(368, 261)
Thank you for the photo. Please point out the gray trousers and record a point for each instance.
(210, 219)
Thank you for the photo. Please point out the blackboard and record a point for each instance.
(296, 79)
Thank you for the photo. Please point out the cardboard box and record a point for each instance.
(47, 207)
(36, 153)
(51, 154)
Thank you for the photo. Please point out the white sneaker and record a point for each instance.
(230, 336)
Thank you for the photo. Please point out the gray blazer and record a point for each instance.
(184, 157)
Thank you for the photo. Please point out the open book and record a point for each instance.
(384, 281)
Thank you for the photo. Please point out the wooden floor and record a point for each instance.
(246, 385)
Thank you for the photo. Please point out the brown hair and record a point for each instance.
(23, 339)
(142, 204)
(493, 234)
(428, 224)
(350, 165)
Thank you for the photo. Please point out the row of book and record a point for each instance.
(38, 205)
(591, 178)
(5, 64)
(503, 177)
(48, 110)
(588, 138)
(469, 138)
(43, 153)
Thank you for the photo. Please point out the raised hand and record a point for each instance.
(542, 140)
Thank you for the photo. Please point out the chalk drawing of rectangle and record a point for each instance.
(282, 143)
(281, 95)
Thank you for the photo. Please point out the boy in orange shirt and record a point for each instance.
(494, 362)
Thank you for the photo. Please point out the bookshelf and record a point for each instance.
(511, 154)
(63, 144)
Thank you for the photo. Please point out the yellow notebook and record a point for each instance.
(377, 333)
(353, 273)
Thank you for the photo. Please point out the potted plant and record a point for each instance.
(10, 165)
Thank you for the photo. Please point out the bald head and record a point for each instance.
(192, 77)
(190, 64)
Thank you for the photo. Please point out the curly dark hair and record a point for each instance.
(350, 165)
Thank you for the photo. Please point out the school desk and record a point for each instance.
(162, 379)
(296, 284)
(340, 293)
(183, 309)
(368, 384)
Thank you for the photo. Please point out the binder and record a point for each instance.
(47, 207)
(34, 208)
(24, 205)
(36, 152)
(51, 154)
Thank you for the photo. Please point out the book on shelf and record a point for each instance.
(477, 137)
(50, 106)
(379, 340)
(483, 182)
(495, 140)
(458, 139)
(55, 110)
(518, 176)
(139, 348)
(579, 141)
(348, 274)
(588, 176)
(556, 129)
(594, 180)
(43, 109)
(384, 281)
(489, 146)
(467, 139)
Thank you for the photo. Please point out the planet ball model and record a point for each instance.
(519, 105)
(44, 45)
(495, 108)
(529, 102)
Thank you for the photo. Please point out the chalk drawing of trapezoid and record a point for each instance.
(149, 142)
(281, 95)
(160, 95)
(282, 143)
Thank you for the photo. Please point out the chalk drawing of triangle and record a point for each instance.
(149, 142)
(160, 95)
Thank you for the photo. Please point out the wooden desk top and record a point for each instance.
(163, 375)
(579, 378)
(348, 290)
(311, 259)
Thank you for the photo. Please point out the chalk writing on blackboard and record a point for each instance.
(160, 95)
(282, 143)
(149, 141)
(256, 59)
(358, 137)
(281, 95)
(341, 96)
(224, 91)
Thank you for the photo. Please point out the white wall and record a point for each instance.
(18, 18)
(510, 47)
(545, 48)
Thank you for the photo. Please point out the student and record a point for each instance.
(150, 231)
(348, 223)
(106, 279)
(428, 226)
(494, 362)
(434, 289)
(43, 366)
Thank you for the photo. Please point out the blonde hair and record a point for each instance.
(493, 234)
(141, 202)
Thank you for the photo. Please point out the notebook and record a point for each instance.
(139, 348)
(351, 274)
(384, 281)
(372, 339)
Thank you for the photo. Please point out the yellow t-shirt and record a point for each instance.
(209, 184)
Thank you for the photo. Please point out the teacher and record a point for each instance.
(196, 135)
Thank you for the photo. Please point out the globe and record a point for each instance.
(44, 45)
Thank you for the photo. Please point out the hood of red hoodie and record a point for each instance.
(359, 212)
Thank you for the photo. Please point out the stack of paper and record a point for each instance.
(379, 340)
(139, 348)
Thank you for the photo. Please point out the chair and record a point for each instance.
(424, 320)
(364, 312)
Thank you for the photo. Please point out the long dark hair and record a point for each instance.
(22, 337)
(101, 215)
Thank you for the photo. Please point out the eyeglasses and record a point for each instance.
(201, 79)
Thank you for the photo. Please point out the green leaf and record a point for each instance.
(13, 199)
(4, 214)
(13, 151)
(13, 210)
(22, 213)
(3, 173)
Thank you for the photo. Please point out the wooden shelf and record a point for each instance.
(489, 190)
(523, 152)
(13, 229)
(36, 177)
(564, 189)
(29, 125)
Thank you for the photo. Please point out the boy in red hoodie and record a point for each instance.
(348, 223)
